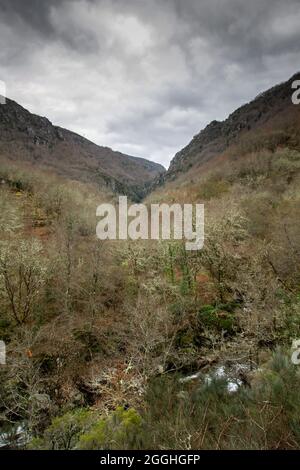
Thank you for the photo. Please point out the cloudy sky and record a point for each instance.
(144, 76)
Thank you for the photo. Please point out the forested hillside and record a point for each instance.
(28, 138)
(144, 345)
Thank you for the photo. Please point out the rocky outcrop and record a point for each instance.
(27, 137)
(217, 136)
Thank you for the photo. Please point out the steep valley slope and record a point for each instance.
(26, 137)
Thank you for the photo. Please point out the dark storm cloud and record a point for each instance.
(35, 13)
(144, 76)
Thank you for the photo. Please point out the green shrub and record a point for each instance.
(205, 415)
(219, 317)
(119, 431)
(64, 431)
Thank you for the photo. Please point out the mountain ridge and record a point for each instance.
(29, 137)
(217, 136)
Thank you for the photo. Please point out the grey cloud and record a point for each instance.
(34, 13)
(144, 76)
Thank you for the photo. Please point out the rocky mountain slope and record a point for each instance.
(270, 111)
(27, 137)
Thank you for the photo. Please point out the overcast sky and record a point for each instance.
(144, 76)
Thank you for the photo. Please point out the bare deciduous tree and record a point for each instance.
(22, 273)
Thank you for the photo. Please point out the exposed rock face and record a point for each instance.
(28, 137)
(217, 136)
